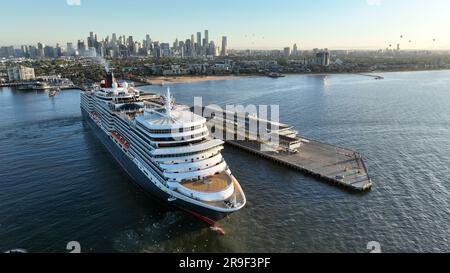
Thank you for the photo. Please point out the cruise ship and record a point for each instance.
(164, 147)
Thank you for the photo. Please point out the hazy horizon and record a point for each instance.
(250, 24)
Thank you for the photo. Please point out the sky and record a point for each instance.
(252, 24)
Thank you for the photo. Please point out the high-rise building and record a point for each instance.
(24, 50)
(32, 51)
(212, 49)
(40, 50)
(81, 47)
(136, 47)
(224, 46)
(50, 52)
(7, 51)
(114, 39)
(70, 49)
(58, 51)
(295, 50)
(156, 50)
(20, 73)
(182, 49)
(148, 42)
(130, 43)
(92, 39)
(287, 51)
(323, 58)
(199, 39)
(206, 38)
(165, 49)
(188, 45)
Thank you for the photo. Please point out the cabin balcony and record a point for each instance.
(194, 165)
(180, 159)
(197, 174)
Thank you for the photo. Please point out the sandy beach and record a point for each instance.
(185, 79)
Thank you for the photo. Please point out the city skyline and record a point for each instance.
(123, 45)
(262, 24)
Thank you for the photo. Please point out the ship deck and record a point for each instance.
(216, 183)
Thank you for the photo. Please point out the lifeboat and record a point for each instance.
(122, 141)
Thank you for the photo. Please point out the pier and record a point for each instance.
(338, 166)
(329, 163)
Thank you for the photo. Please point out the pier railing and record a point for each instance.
(359, 159)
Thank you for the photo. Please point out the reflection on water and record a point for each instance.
(59, 184)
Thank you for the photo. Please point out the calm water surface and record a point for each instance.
(58, 183)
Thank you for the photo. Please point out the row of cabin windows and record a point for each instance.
(154, 168)
(182, 144)
(207, 165)
(178, 139)
(142, 135)
(151, 171)
(198, 158)
(185, 155)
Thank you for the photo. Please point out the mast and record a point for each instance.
(168, 102)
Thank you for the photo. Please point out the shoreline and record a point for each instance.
(162, 80)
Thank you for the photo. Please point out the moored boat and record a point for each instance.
(165, 148)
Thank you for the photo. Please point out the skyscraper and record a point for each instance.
(199, 39)
(70, 49)
(212, 49)
(295, 50)
(130, 42)
(58, 50)
(206, 38)
(91, 39)
(81, 47)
(224, 46)
(40, 50)
(148, 42)
(323, 58)
(24, 50)
(114, 39)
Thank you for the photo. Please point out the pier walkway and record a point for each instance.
(329, 163)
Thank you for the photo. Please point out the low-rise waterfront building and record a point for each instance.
(20, 73)
(175, 70)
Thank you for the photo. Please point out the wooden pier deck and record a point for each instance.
(330, 163)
